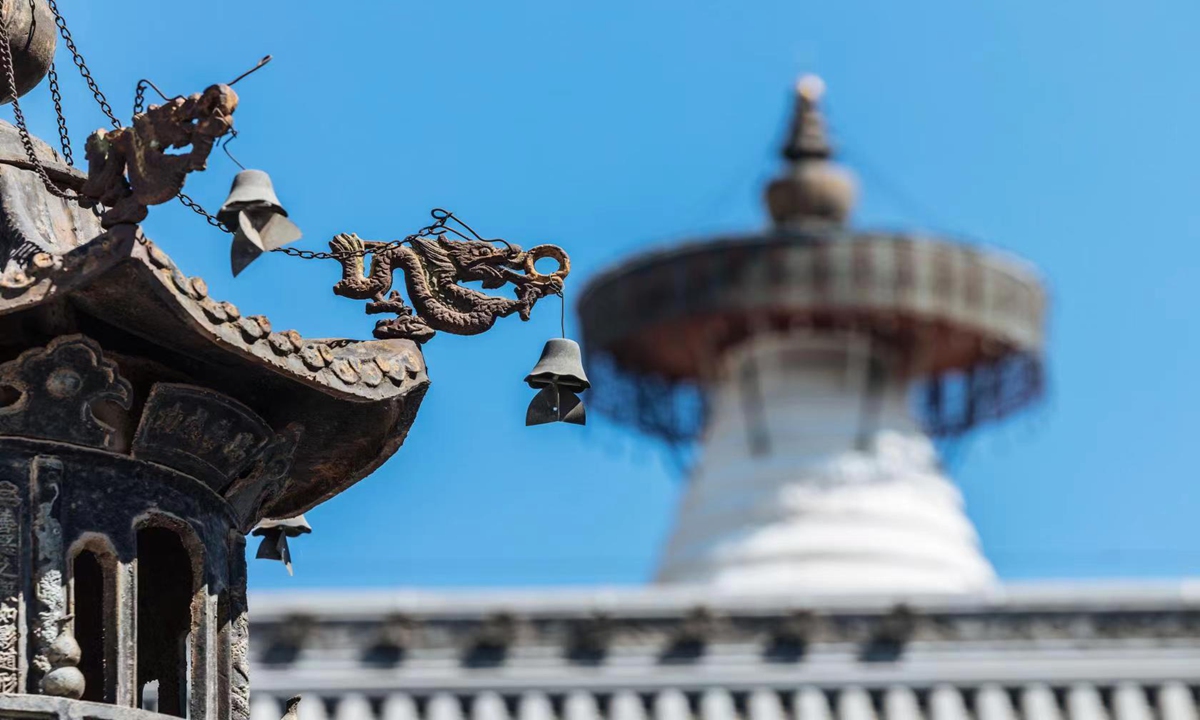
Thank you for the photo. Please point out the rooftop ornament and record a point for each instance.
(435, 261)
(131, 168)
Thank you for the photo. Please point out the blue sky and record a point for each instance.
(1065, 132)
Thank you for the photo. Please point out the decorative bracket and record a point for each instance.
(58, 387)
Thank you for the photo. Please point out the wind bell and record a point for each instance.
(259, 222)
(559, 375)
(275, 534)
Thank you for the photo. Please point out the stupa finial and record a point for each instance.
(808, 139)
(812, 188)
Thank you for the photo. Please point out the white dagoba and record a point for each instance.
(805, 339)
(813, 479)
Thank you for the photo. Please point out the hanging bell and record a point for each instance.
(558, 376)
(275, 534)
(259, 222)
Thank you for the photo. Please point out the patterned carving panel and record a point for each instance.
(49, 583)
(203, 433)
(58, 387)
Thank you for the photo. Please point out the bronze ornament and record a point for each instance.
(433, 269)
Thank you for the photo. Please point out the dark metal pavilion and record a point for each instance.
(146, 427)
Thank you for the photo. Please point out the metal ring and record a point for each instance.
(547, 251)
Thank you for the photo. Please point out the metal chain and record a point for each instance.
(139, 98)
(139, 95)
(437, 228)
(318, 255)
(6, 59)
(79, 63)
(196, 208)
(441, 216)
(64, 136)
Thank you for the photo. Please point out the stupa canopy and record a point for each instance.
(956, 314)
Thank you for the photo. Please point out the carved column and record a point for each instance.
(239, 630)
(49, 577)
(126, 633)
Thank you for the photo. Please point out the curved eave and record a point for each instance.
(110, 274)
(356, 400)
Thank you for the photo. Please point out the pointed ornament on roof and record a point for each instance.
(812, 188)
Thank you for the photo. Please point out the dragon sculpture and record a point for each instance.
(130, 168)
(433, 269)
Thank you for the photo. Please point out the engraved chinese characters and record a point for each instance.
(10, 578)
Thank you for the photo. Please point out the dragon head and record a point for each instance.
(483, 262)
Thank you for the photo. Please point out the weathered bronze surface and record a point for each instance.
(87, 498)
(131, 402)
(433, 270)
(138, 413)
(33, 39)
(131, 168)
(146, 427)
(58, 387)
(44, 227)
(355, 400)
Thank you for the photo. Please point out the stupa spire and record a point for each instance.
(812, 187)
(808, 139)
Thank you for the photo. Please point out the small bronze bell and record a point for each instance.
(559, 375)
(275, 534)
(259, 222)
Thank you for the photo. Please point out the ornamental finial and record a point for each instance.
(812, 187)
(807, 138)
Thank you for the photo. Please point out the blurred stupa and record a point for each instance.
(822, 567)
(803, 344)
